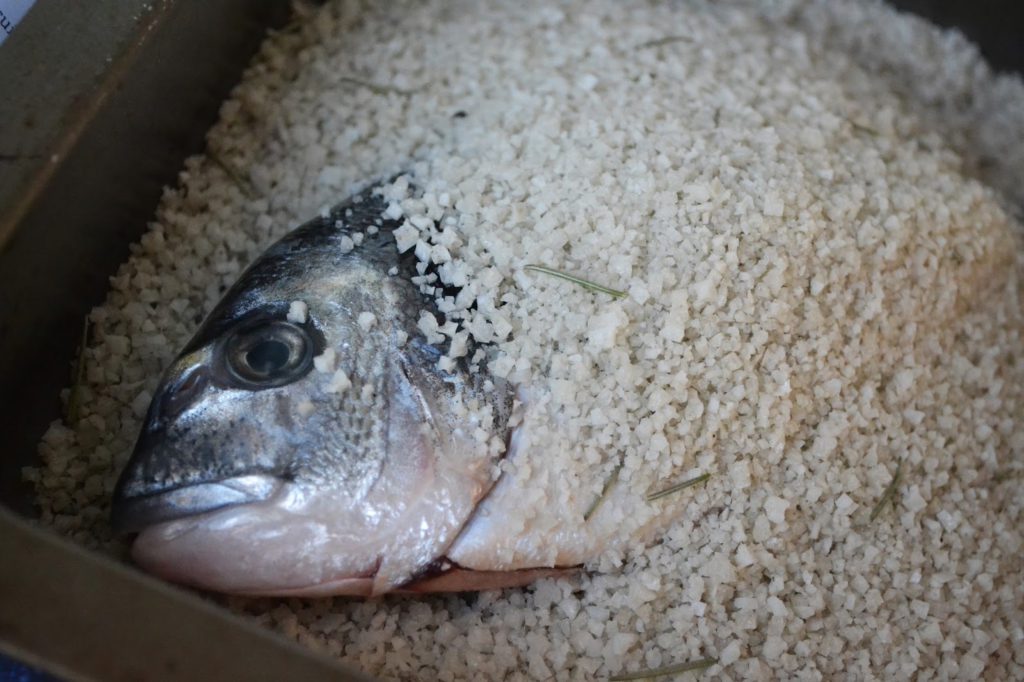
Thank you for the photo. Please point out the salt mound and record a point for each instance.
(819, 296)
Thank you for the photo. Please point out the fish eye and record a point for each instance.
(268, 354)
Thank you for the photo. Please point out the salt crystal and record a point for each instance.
(775, 509)
(773, 205)
(140, 404)
(773, 648)
(117, 344)
(325, 362)
(339, 382)
(913, 501)
(931, 632)
(421, 222)
(458, 346)
(406, 237)
(297, 312)
(971, 667)
(949, 520)
(743, 556)
(366, 320)
(721, 570)
(730, 654)
(604, 328)
(331, 176)
(739, 474)
(622, 642)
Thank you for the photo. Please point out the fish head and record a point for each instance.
(323, 453)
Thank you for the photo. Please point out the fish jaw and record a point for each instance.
(316, 542)
(135, 513)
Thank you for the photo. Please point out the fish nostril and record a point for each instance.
(184, 392)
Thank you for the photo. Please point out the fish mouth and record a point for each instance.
(136, 513)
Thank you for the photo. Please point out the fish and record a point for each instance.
(306, 442)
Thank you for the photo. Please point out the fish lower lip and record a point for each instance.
(132, 514)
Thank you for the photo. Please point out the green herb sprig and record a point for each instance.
(243, 183)
(585, 283)
(1005, 475)
(667, 40)
(702, 664)
(596, 504)
(677, 487)
(888, 493)
(377, 88)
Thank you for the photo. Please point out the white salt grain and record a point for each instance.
(339, 383)
(773, 648)
(739, 474)
(773, 205)
(913, 499)
(140, 404)
(297, 312)
(366, 320)
(730, 654)
(743, 556)
(326, 361)
(406, 236)
(775, 509)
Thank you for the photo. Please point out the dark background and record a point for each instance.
(997, 26)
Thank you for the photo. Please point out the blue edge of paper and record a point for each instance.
(13, 671)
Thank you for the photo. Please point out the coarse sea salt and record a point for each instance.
(819, 288)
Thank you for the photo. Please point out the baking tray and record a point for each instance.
(100, 103)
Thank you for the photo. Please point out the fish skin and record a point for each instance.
(236, 488)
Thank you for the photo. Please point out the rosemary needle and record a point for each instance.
(677, 487)
(377, 88)
(612, 478)
(1004, 475)
(586, 284)
(666, 670)
(243, 183)
(888, 492)
(667, 40)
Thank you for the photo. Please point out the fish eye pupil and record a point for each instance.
(265, 354)
(268, 356)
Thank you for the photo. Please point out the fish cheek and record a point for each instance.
(284, 410)
(244, 432)
(430, 483)
(415, 518)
